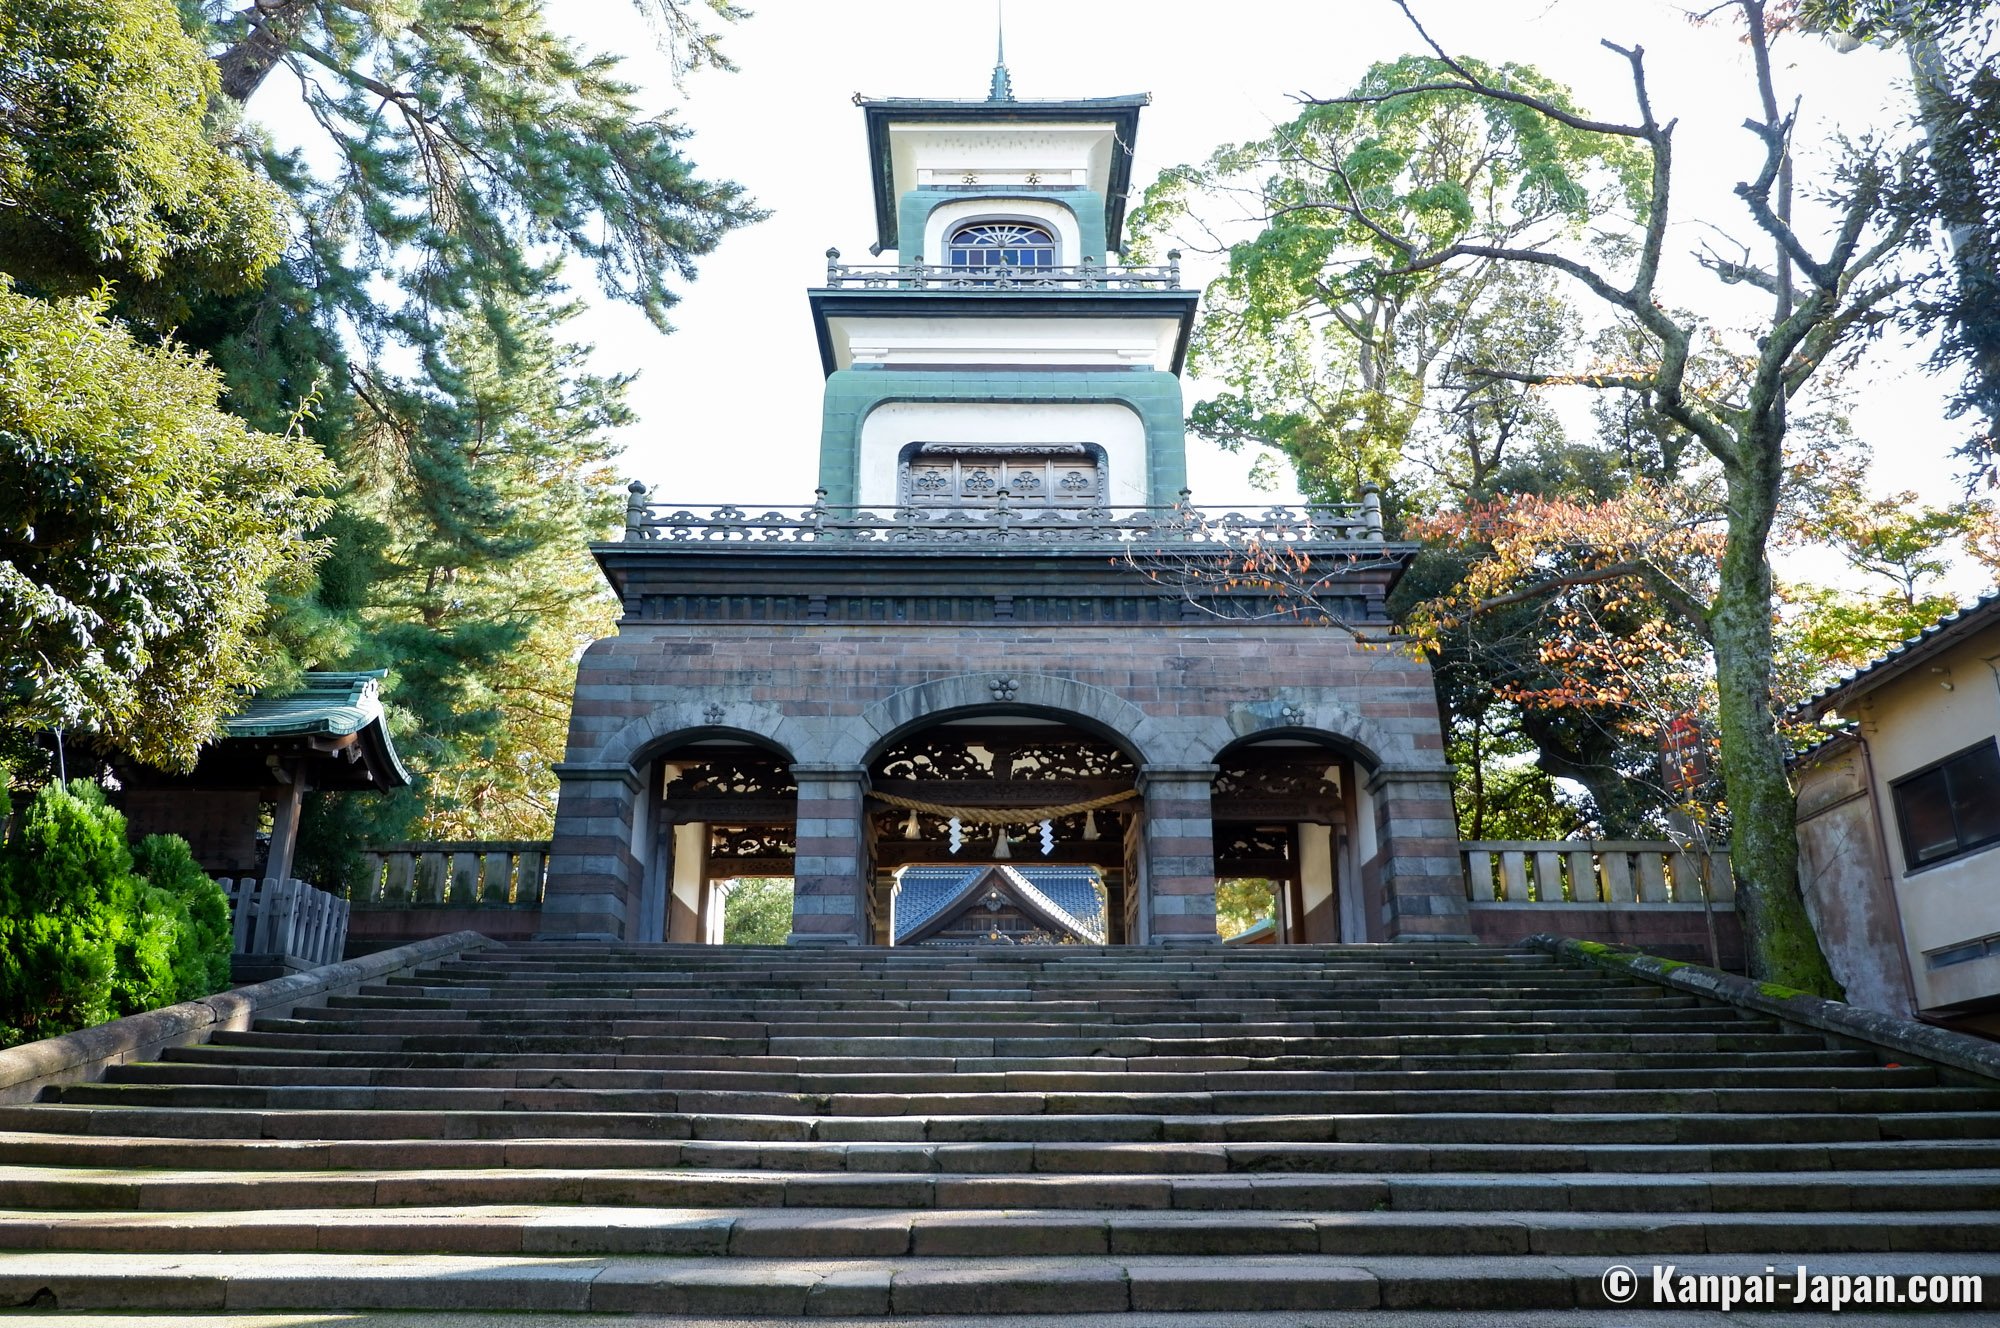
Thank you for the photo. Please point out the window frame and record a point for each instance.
(1899, 785)
(952, 247)
(1088, 458)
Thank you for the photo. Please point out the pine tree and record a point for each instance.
(477, 156)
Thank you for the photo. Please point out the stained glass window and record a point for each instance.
(1001, 244)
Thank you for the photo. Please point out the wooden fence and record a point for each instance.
(468, 873)
(1593, 871)
(287, 919)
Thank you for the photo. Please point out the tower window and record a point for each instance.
(972, 474)
(988, 244)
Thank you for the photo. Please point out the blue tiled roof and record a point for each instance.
(1067, 892)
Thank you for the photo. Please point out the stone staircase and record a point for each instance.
(684, 1130)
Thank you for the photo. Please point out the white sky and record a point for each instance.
(729, 405)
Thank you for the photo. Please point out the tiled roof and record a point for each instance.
(336, 703)
(332, 704)
(1940, 635)
(1068, 893)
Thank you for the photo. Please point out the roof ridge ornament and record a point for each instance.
(1003, 84)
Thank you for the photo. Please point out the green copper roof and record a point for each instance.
(336, 703)
(329, 706)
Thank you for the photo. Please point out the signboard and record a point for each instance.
(1683, 755)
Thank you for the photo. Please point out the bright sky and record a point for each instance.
(729, 404)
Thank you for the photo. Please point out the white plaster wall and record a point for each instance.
(1072, 155)
(1316, 867)
(1115, 428)
(1911, 722)
(1147, 343)
(1061, 222)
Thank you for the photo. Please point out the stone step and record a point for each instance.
(846, 1233)
(1141, 1284)
(376, 1008)
(1098, 1158)
(54, 1189)
(215, 1053)
(529, 1022)
(1441, 1127)
(1025, 1081)
(1730, 1039)
(1678, 1101)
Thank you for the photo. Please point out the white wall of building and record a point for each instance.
(1076, 343)
(1061, 222)
(892, 426)
(1931, 712)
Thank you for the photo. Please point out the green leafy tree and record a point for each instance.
(139, 530)
(468, 158)
(1241, 903)
(757, 911)
(1953, 48)
(484, 593)
(1825, 291)
(1328, 345)
(108, 171)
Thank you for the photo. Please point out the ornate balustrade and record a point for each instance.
(1007, 522)
(467, 873)
(938, 276)
(1593, 871)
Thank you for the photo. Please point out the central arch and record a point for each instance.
(1092, 709)
(1031, 793)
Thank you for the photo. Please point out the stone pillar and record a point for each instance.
(594, 864)
(829, 876)
(1180, 853)
(1423, 887)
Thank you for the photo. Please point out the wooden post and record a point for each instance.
(285, 827)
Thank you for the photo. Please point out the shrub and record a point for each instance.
(83, 936)
(202, 943)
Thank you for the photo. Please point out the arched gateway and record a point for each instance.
(1021, 653)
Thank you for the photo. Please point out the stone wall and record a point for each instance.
(830, 696)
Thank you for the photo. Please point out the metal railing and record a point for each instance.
(941, 276)
(1593, 871)
(1007, 522)
(466, 873)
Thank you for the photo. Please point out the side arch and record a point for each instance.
(1321, 717)
(674, 722)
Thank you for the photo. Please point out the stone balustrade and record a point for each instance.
(1618, 872)
(471, 873)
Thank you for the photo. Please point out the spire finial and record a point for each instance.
(1003, 86)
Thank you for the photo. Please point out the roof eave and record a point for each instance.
(880, 112)
(828, 301)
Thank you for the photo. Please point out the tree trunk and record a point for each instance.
(1778, 938)
(244, 65)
